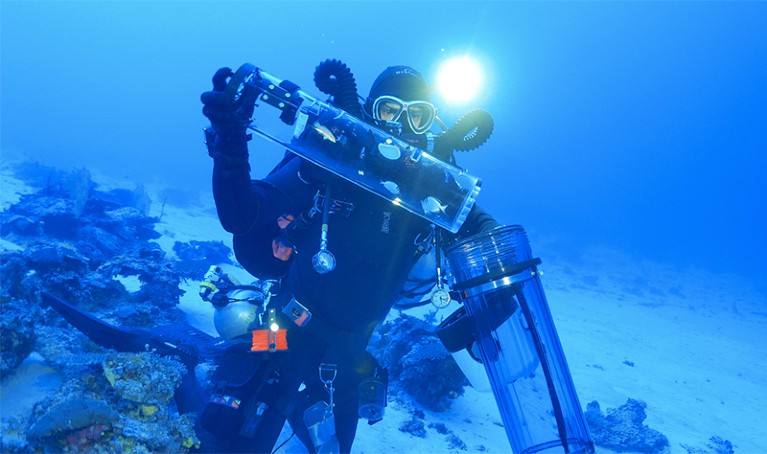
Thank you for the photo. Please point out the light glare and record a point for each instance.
(459, 79)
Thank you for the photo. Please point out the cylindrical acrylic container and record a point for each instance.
(361, 153)
(518, 343)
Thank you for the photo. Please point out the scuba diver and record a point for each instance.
(332, 300)
(333, 252)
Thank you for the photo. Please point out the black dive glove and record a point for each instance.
(226, 138)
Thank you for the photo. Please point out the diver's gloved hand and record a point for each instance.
(228, 118)
(227, 138)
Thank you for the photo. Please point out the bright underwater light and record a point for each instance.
(459, 79)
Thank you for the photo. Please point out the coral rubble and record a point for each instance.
(623, 428)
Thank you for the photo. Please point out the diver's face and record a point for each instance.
(389, 110)
(417, 115)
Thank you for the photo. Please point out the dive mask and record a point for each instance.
(420, 114)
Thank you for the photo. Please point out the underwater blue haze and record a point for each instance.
(634, 126)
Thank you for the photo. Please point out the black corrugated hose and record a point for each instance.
(334, 78)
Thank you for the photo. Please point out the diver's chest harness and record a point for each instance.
(323, 261)
(326, 204)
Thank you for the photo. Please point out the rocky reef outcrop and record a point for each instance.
(418, 363)
(94, 248)
(623, 428)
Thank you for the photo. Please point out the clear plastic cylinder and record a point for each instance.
(518, 342)
(369, 157)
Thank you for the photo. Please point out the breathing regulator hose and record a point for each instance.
(469, 132)
(334, 78)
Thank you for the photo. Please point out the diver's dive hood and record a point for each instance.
(402, 82)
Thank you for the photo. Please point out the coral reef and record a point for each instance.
(71, 415)
(17, 333)
(81, 243)
(75, 251)
(195, 257)
(143, 378)
(122, 404)
(623, 428)
(418, 363)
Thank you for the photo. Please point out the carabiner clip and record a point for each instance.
(330, 370)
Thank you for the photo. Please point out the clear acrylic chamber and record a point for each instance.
(516, 341)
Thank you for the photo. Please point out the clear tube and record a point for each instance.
(366, 155)
(521, 352)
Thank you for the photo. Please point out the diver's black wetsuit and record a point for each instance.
(374, 244)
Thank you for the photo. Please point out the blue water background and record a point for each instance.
(634, 126)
